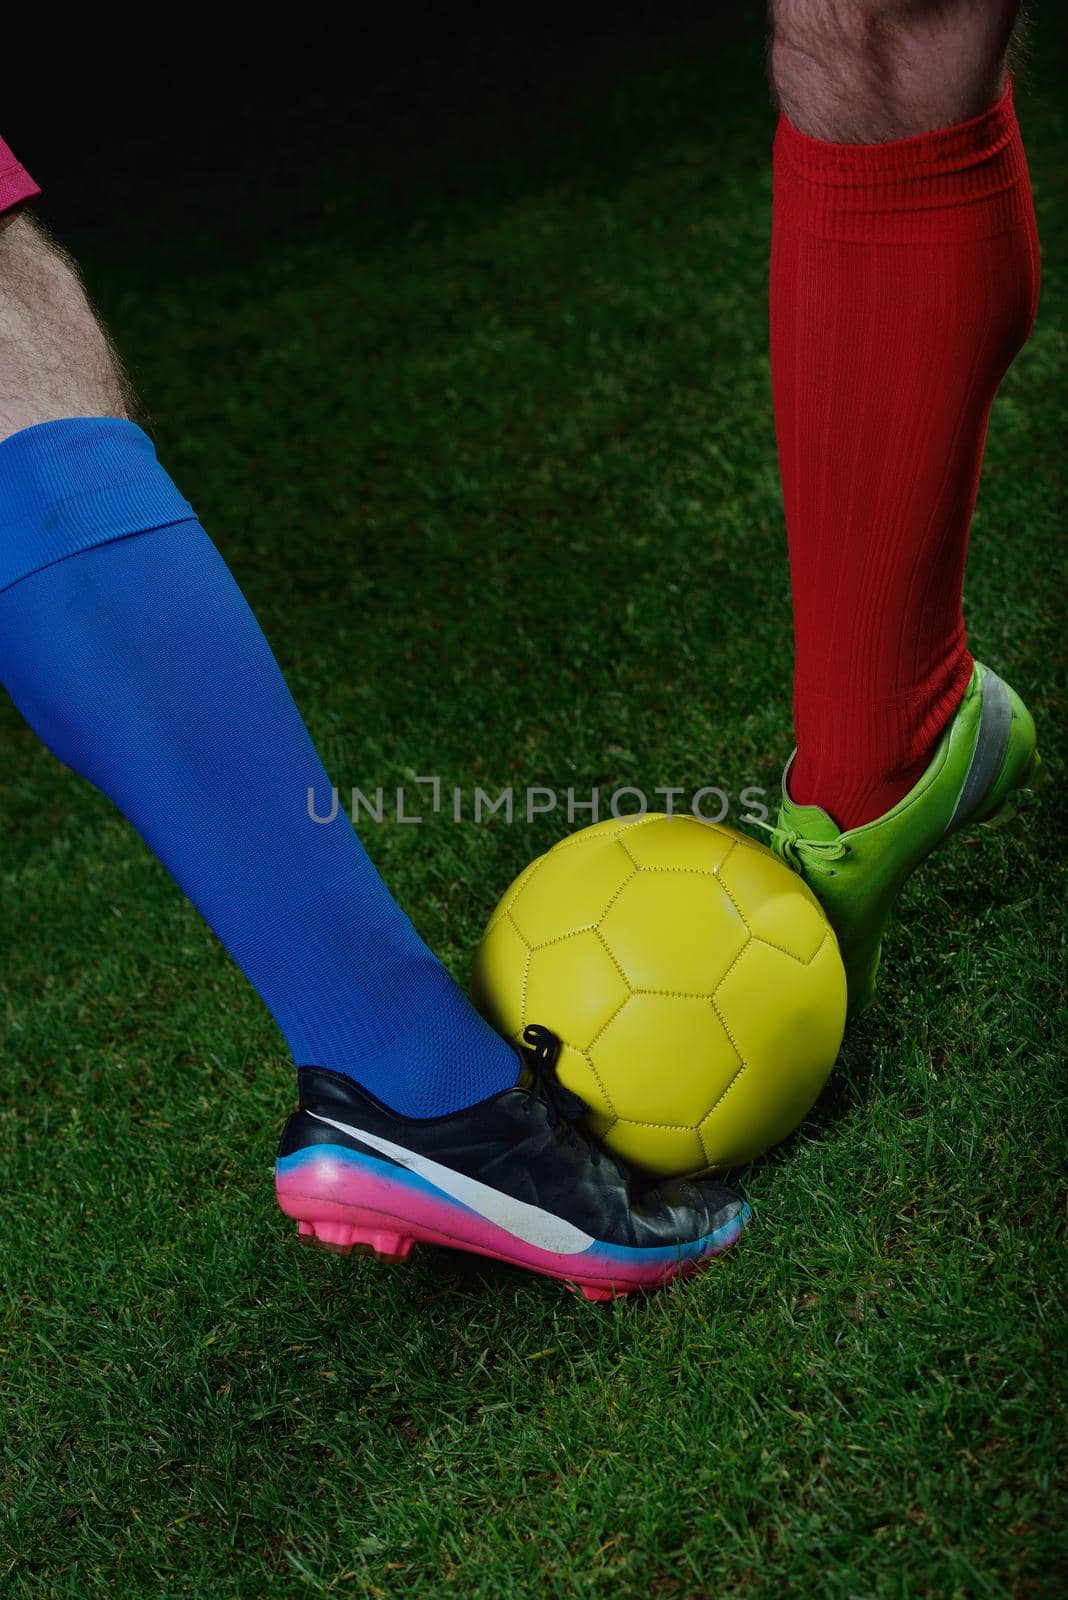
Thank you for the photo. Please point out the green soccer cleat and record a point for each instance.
(986, 754)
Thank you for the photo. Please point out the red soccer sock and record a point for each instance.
(903, 282)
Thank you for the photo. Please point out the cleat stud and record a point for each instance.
(391, 1246)
(334, 1233)
(345, 1239)
(336, 1237)
(597, 1291)
(1037, 775)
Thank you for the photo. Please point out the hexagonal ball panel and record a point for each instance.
(569, 889)
(674, 930)
(659, 1151)
(664, 1059)
(575, 1072)
(573, 987)
(498, 976)
(787, 1021)
(679, 842)
(775, 902)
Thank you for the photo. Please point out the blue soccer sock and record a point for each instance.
(128, 647)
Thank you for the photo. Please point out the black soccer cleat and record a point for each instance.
(515, 1177)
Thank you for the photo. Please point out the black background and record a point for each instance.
(114, 113)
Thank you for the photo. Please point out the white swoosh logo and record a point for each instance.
(529, 1223)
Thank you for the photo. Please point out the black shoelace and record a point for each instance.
(564, 1109)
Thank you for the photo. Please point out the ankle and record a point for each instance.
(851, 798)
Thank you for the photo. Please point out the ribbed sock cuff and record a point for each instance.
(969, 181)
(857, 779)
(65, 486)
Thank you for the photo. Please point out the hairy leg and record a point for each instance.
(868, 71)
(55, 358)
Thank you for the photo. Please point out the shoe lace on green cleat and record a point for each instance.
(804, 855)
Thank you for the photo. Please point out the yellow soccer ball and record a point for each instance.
(693, 978)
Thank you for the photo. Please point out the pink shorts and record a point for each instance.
(16, 184)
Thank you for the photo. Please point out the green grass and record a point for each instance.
(492, 456)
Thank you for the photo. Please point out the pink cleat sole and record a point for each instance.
(344, 1224)
(342, 1239)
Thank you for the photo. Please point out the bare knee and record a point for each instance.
(56, 359)
(862, 71)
